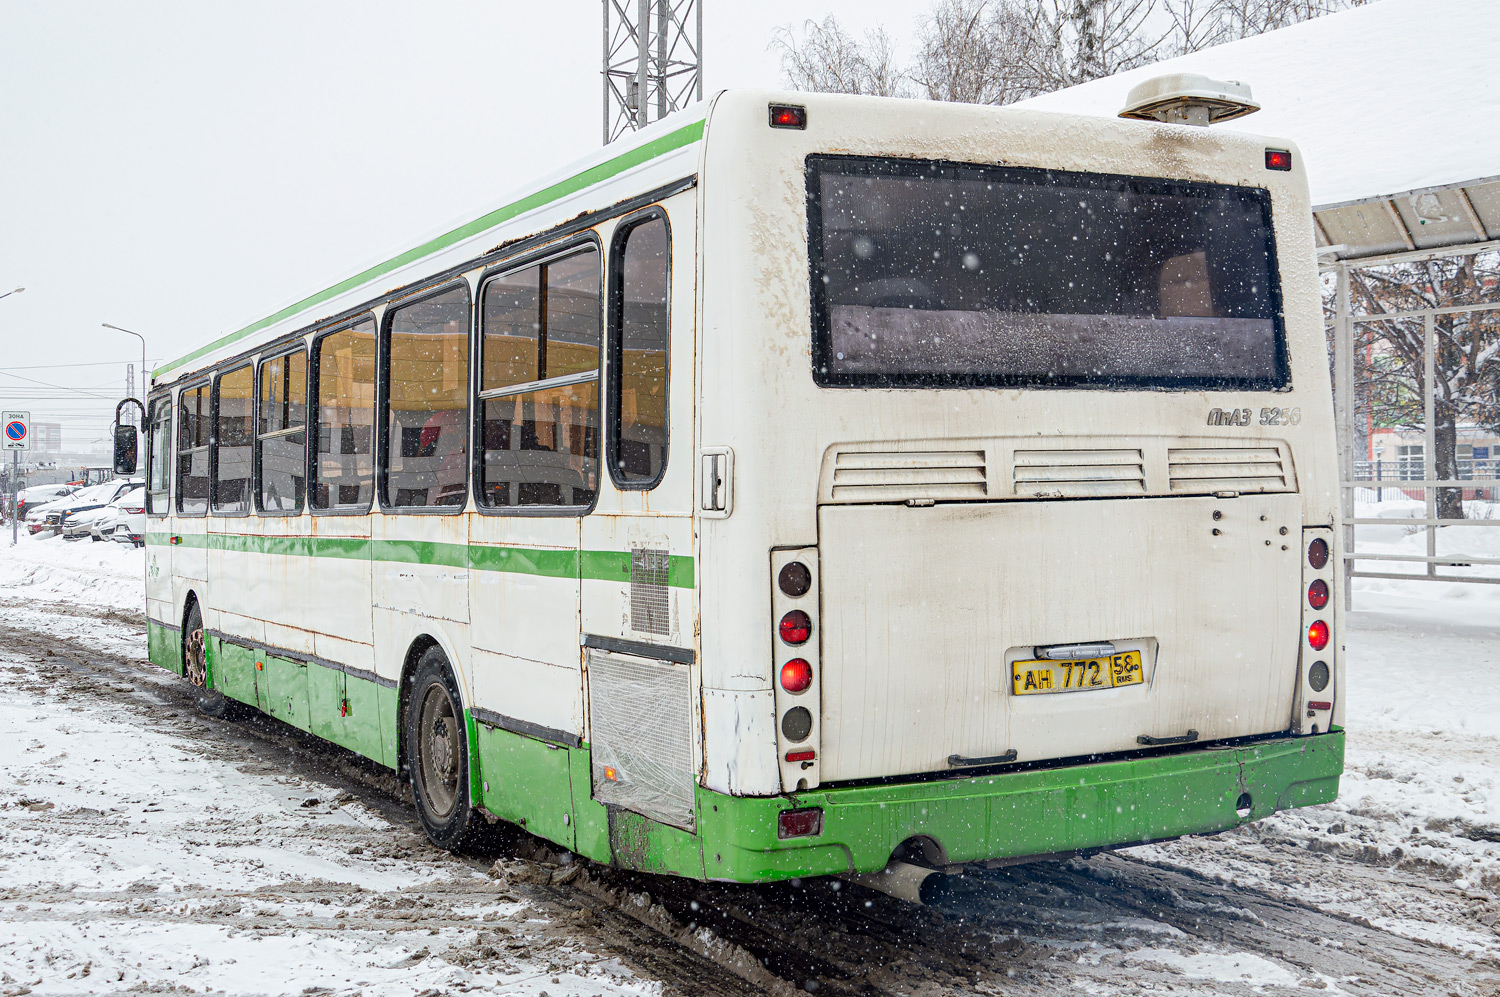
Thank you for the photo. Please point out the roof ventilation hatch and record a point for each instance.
(1188, 99)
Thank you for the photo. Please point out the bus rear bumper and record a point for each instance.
(1020, 814)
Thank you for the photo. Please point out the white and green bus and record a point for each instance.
(805, 484)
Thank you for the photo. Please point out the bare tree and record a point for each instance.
(827, 59)
(1243, 18)
(1196, 24)
(1073, 41)
(970, 52)
(999, 51)
(1466, 353)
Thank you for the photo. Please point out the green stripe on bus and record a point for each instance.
(685, 135)
(596, 565)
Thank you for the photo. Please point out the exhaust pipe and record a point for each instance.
(904, 881)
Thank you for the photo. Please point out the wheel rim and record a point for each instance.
(196, 659)
(437, 750)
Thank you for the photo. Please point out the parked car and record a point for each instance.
(52, 515)
(37, 515)
(111, 522)
(36, 495)
(77, 525)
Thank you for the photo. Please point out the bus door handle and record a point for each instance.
(716, 482)
(1191, 735)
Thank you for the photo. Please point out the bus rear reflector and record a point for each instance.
(1317, 635)
(796, 627)
(805, 755)
(1316, 705)
(800, 823)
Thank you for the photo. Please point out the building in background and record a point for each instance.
(47, 436)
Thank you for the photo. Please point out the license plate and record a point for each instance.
(1030, 678)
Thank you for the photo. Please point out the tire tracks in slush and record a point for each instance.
(1113, 924)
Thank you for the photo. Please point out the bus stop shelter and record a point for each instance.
(1392, 106)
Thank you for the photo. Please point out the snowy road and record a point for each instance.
(144, 848)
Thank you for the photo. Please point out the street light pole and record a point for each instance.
(143, 359)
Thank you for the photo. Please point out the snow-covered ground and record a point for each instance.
(136, 853)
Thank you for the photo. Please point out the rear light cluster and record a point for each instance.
(794, 604)
(1316, 695)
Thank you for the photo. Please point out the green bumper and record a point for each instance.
(1022, 813)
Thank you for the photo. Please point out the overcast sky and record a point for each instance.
(182, 168)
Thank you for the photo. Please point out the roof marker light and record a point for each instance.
(1278, 159)
(788, 116)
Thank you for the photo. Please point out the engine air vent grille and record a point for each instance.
(1204, 470)
(1079, 473)
(903, 475)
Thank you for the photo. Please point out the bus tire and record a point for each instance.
(210, 702)
(436, 749)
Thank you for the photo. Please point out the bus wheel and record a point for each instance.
(437, 756)
(195, 668)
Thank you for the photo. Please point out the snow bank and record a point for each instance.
(48, 568)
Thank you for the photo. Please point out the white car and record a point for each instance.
(77, 525)
(124, 520)
(39, 495)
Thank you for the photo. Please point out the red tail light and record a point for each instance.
(1317, 553)
(796, 675)
(1317, 594)
(135, 512)
(796, 627)
(1317, 635)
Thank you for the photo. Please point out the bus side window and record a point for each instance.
(192, 452)
(425, 396)
(539, 385)
(639, 337)
(343, 468)
(234, 393)
(281, 434)
(158, 457)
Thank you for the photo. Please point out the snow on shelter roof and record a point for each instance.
(1397, 99)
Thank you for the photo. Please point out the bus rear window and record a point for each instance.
(932, 274)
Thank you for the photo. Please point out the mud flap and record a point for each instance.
(644, 845)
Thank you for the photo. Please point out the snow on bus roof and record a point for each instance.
(1396, 96)
(657, 139)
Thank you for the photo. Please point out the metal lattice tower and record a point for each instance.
(653, 61)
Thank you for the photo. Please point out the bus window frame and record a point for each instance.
(289, 349)
(315, 405)
(206, 381)
(564, 248)
(213, 438)
(614, 337)
(155, 402)
(383, 399)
